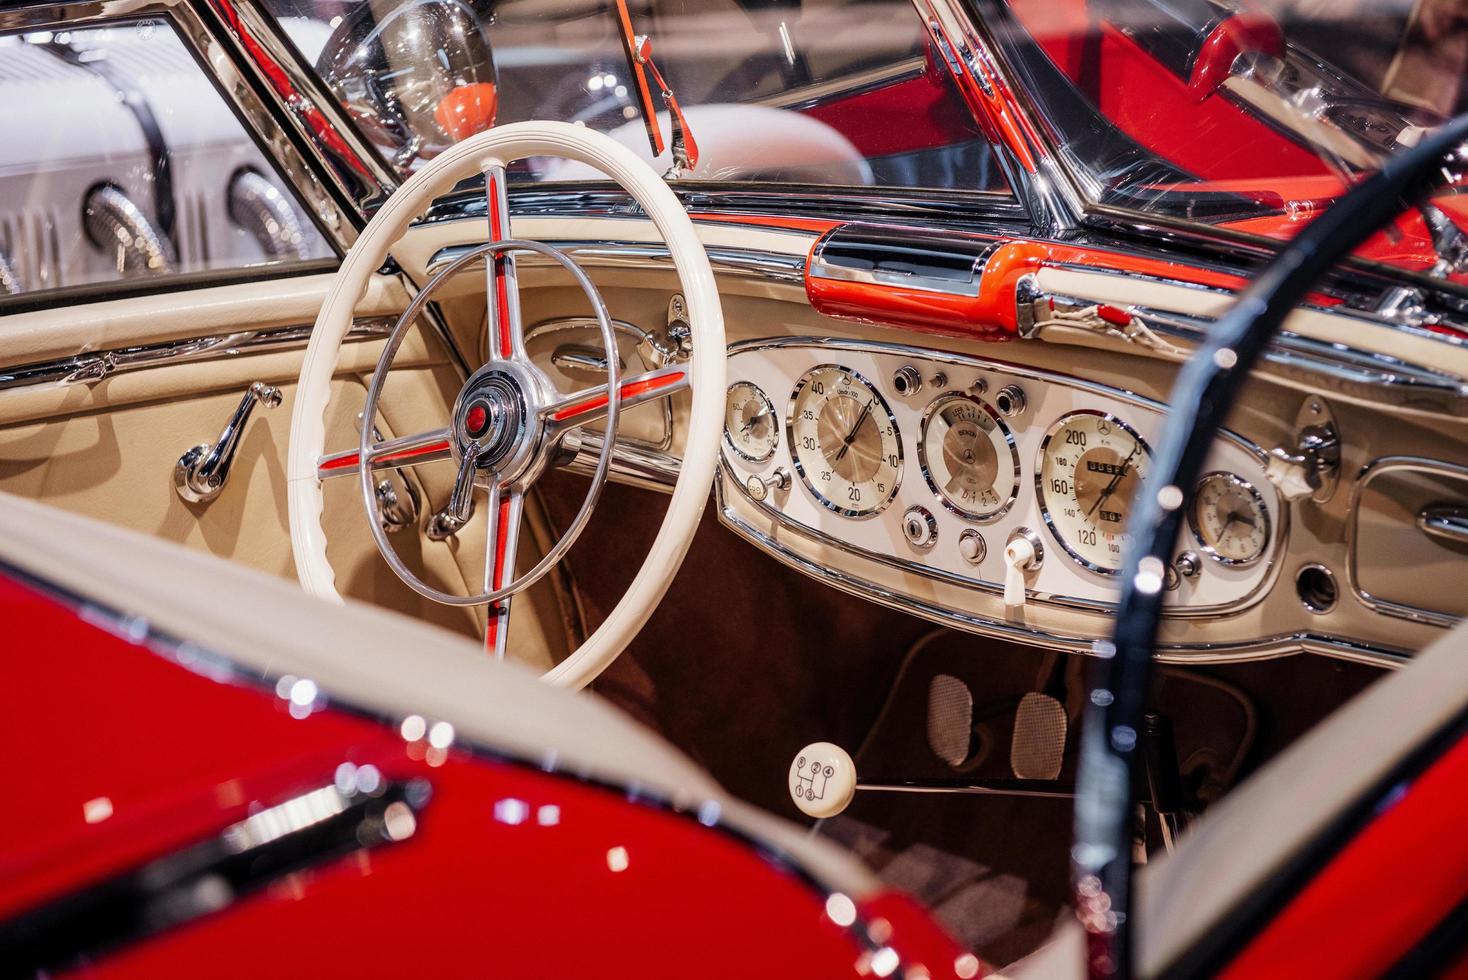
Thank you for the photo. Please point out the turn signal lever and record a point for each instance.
(200, 473)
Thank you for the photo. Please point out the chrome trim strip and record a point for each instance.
(1376, 467)
(1276, 547)
(299, 103)
(608, 254)
(93, 367)
(1390, 380)
(1264, 648)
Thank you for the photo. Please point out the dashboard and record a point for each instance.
(1007, 486)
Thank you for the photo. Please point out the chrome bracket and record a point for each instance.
(1312, 467)
(200, 473)
(398, 501)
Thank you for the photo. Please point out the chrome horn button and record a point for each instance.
(496, 412)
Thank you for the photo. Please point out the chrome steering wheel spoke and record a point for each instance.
(589, 405)
(501, 540)
(503, 430)
(505, 333)
(390, 454)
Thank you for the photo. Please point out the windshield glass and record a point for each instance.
(806, 92)
(1248, 114)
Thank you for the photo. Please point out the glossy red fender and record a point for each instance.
(118, 754)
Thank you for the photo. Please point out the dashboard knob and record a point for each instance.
(1024, 553)
(919, 527)
(761, 487)
(822, 780)
(971, 547)
(1010, 400)
(906, 380)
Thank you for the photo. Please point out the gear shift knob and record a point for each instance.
(822, 780)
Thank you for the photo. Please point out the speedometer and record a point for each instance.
(1091, 466)
(844, 442)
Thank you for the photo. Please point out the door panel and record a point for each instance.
(108, 448)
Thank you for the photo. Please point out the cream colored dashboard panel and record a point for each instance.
(945, 551)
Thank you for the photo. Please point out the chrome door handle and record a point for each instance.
(1448, 522)
(200, 473)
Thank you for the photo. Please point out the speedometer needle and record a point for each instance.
(1115, 480)
(851, 436)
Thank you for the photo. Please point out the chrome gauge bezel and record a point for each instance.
(729, 438)
(1255, 495)
(1045, 514)
(820, 498)
(934, 407)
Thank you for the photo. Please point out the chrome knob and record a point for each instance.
(906, 380)
(1010, 400)
(1023, 553)
(759, 488)
(1188, 564)
(919, 527)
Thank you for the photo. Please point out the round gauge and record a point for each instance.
(968, 457)
(750, 428)
(1229, 519)
(1091, 465)
(844, 441)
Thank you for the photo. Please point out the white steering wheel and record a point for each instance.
(508, 419)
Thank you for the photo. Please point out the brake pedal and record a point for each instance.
(1038, 747)
(950, 719)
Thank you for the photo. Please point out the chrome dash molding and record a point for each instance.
(1263, 648)
(730, 261)
(92, 367)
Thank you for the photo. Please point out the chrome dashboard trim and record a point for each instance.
(610, 254)
(1376, 467)
(835, 344)
(1265, 648)
(93, 367)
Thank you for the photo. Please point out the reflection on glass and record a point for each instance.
(121, 162)
(842, 93)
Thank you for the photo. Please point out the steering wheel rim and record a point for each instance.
(489, 153)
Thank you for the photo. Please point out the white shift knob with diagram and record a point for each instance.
(822, 780)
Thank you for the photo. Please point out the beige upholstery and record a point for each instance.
(375, 660)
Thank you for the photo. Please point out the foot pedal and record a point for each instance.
(1038, 747)
(950, 719)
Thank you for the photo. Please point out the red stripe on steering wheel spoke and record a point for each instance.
(629, 390)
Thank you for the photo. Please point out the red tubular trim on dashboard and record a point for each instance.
(1390, 886)
(990, 315)
(1251, 31)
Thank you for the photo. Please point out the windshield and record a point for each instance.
(1248, 115)
(807, 92)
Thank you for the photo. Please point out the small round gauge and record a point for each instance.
(968, 457)
(1091, 465)
(844, 441)
(750, 428)
(1229, 519)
